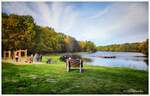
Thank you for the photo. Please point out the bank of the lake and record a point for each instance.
(53, 78)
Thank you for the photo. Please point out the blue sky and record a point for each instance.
(103, 23)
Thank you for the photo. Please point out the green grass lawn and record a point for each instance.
(53, 79)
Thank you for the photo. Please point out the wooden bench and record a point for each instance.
(74, 63)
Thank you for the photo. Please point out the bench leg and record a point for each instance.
(68, 67)
(80, 68)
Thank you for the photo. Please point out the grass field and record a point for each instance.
(53, 79)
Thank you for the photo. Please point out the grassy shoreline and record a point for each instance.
(53, 79)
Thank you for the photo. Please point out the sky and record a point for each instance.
(103, 23)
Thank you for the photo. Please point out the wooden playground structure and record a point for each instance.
(17, 56)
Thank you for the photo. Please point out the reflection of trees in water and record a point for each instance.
(144, 57)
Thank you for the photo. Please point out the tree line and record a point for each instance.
(21, 32)
(127, 47)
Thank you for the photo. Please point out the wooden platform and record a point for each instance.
(106, 56)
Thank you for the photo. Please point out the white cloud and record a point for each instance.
(57, 15)
(116, 21)
(44, 13)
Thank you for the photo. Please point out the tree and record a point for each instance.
(87, 46)
(127, 47)
(17, 32)
(71, 44)
(20, 32)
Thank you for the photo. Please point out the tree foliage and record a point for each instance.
(20, 32)
(17, 32)
(127, 47)
(87, 46)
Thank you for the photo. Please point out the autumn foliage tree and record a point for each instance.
(17, 32)
(20, 32)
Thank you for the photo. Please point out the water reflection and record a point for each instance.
(123, 59)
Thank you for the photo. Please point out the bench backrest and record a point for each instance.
(74, 62)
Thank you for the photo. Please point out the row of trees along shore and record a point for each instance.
(127, 47)
(21, 32)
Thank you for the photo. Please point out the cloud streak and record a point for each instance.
(101, 23)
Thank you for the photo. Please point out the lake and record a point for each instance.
(132, 60)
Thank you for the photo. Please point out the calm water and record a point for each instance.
(123, 59)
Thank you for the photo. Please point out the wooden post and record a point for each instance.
(80, 66)
(26, 53)
(67, 65)
(8, 54)
(4, 54)
(20, 55)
